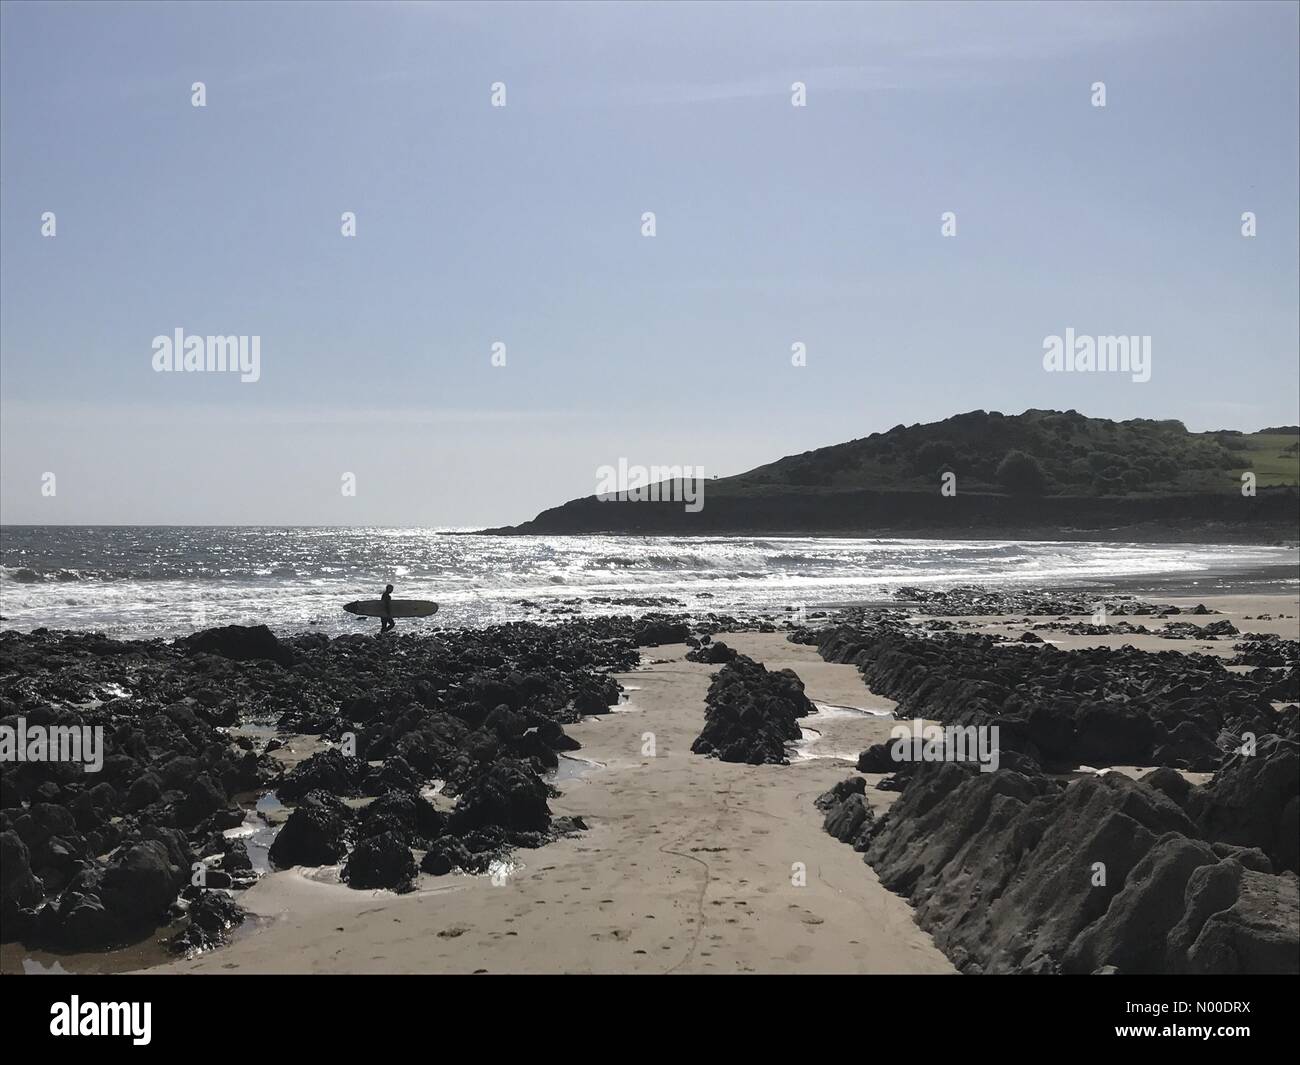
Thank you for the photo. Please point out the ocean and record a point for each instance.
(168, 580)
(164, 581)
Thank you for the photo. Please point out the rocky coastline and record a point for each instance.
(413, 757)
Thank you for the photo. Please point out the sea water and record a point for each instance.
(163, 581)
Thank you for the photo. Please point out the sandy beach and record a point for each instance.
(688, 863)
(687, 866)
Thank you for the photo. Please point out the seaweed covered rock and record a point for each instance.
(240, 643)
(314, 834)
(382, 861)
(751, 714)
(1094, 706)
(19, 886)
(408, 815)
(211, 914)
(509, 794)
(331, 771)
(111, 903)
(715, 653)
(656, 629)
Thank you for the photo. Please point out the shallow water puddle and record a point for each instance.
(571, 768)
(260, 827)
(831, 710)
(807, 748)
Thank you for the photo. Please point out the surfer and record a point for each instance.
(386, 621)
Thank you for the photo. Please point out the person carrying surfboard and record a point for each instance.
(389, 609)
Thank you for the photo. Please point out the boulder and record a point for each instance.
(314, 834)
(240, 643)
(382, 861)
(509, 794)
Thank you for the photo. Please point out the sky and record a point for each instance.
(522, 225)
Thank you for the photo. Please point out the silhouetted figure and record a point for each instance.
(386, 621)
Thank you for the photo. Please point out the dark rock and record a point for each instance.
(655, 630)
(1237, 921)
(382, 861)
(712, 654)
(841, 791)
(850, 821)
(509, 794)
(240, 643)
(1252, 801)
(211, 916)
(409, 816)
(1132, 933)
(19, 887)
(751, 713)
(330, 771)
(314, 834)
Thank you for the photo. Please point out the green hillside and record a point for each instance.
(1060, 453)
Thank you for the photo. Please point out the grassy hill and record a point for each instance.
(1041, 474)
(1077, 456)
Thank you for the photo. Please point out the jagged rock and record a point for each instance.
(850, 821)
(1252, 801)
(841, 791)
(145, 790)
(1170, 783)
(1237, 921)
(1132, 933)
(1003, 865)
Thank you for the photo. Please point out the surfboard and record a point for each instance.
(401, 608)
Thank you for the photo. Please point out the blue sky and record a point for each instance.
(521, 224)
